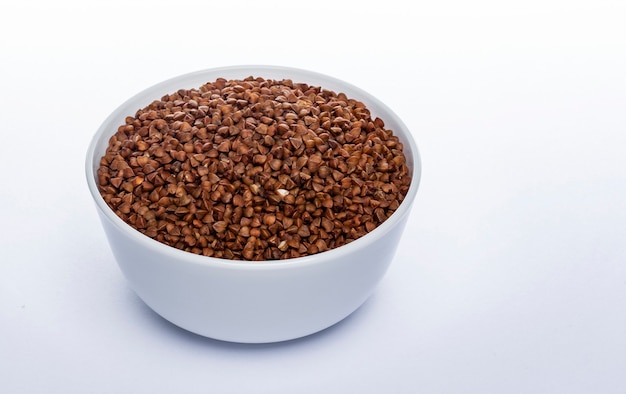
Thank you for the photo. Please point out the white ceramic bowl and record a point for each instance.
(242, 301)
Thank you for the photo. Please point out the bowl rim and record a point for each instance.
(108, 126)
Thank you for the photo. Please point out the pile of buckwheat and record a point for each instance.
(254, 169)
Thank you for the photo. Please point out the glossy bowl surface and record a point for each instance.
(252, 302)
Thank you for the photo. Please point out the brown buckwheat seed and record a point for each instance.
(254, 169)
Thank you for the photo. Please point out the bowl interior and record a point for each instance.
(100, 140)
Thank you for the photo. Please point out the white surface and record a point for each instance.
(512, 274)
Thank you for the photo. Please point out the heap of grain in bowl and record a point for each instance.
(254, 169)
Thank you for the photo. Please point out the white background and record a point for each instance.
(511, 277)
